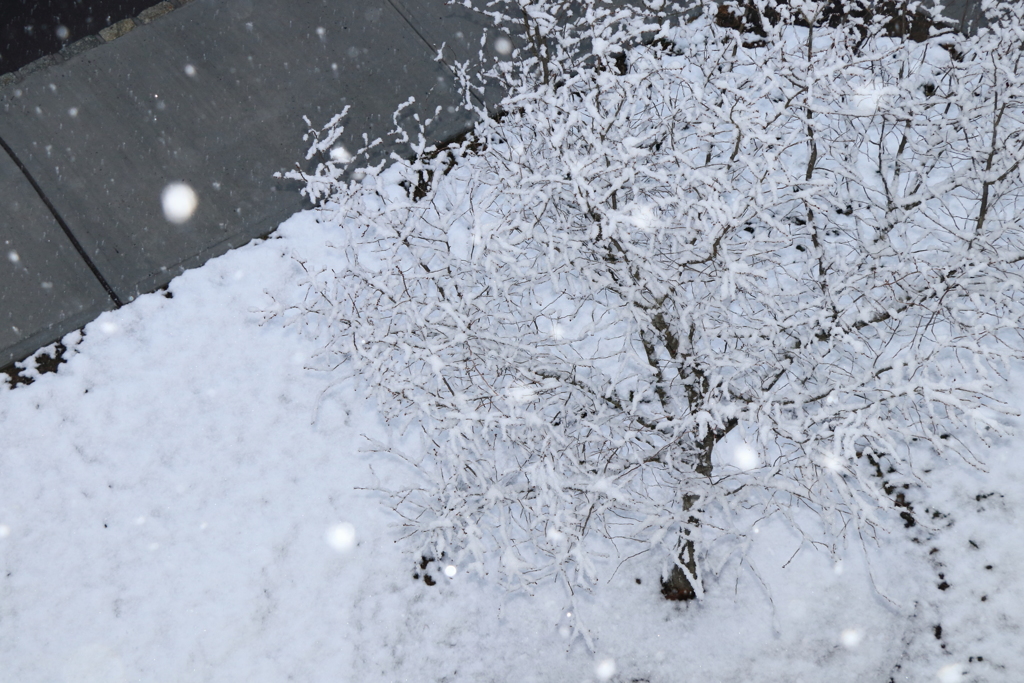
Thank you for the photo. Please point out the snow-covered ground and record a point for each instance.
(186, 501)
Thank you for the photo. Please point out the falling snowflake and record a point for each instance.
(851, 637)
(951, 673)
(341, 537)
(605, 669)
(179, 202)
(341, 155)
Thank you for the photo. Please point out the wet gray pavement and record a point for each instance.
(211, 93)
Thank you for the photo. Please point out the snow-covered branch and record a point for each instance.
(673, 237)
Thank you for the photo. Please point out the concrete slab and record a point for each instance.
(31, 30)
(46, 290)
(460, 34)
(211, 94)
(457, 28)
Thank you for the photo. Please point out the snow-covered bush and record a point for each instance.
(683, 278)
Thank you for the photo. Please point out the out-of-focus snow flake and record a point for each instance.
(73, 112)
(556, 536)
(46, 285)
(321, 31)
(5, 531)
(745, 457)
(63, 33)
(521, 394)
(865, 98)
(951, 673)
(644, 217)
(179, 202)
(450, 571)
(851, 637)
(107, 327)
(190, 70)
(503, 46)
(13, 256)
(341, 155)
(95, 662)
(605, 669)
(341, 537)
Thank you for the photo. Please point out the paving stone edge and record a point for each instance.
(82, 45)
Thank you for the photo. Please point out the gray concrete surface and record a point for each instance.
(211, 93)
(106, 132)
(45, 288)
(455, 33)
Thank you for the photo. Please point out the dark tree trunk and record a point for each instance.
(678, 585)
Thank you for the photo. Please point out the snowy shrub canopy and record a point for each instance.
(684, 278)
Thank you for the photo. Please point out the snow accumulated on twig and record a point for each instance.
(668, 240)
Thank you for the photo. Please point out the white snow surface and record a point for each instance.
(185, 500)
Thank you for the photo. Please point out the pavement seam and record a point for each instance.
(90, 256)
(413, 27)
(63, 225)
(86, 43)
(434, 51)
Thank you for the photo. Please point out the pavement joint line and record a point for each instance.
(86, 43)
(110, 278)
(70, 51)
(115, 31)
(158, 10)
(430, 47)
(415, 29)
(63, 225)
(148, 15)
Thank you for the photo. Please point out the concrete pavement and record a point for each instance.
(206, 92)
(211, 93)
